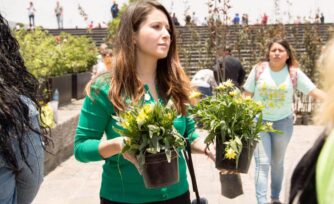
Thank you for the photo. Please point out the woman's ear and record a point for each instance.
(134, 38)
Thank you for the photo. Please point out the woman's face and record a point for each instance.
(153, 37)
(278, 55)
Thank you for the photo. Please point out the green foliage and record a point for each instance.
(237, 120)
(46, 55)
(149, 129)
(75, 54)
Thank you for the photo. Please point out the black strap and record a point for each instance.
(187, 155)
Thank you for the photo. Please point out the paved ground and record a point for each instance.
(78, 183)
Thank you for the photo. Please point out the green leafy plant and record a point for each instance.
(46, 55)
(236, 120)
(149, 130)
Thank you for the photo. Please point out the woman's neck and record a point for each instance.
(146, 69)
(276, 67)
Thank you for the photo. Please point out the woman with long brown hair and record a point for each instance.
(146, 69)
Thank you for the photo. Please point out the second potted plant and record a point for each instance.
(234, 123)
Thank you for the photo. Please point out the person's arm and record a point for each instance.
(307, 87)
(95, 115)
(247, 94)
(197, 143)
(198, 146)
(318, 94)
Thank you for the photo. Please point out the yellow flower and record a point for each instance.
(229, 83)
(195, 94)
(230, 153)
(169, 115)
(221, 87)
(233, 93)
(48, 116)
(125, 124)
(147, 108)
(141, 117)
(269, 124)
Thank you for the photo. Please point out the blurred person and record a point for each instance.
(229, 67)
(313, 179)
(21, 137)
(175, 20)
(114, 10)
(236, 19)
(31, 14)
(264, 19)
(59, 11)
(322, 18)
(105, 64)
(272, 83)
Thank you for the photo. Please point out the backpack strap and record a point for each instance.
(293, 72)
(259, 68)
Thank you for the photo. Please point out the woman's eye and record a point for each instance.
(156, 26)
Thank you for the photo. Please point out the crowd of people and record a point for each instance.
(192, 19)
(144, 67)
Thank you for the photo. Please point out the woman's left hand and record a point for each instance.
(133, 160)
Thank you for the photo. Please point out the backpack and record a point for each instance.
(259, 68)
(303, 184)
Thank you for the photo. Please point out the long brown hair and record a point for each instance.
(171, 79)
(292, 61)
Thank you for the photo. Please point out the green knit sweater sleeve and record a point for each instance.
(95, 114)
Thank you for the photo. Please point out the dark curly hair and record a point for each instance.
(15, 82)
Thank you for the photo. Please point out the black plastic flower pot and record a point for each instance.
(231, 185)
(158, 172)
(230, 164)
(79, 82)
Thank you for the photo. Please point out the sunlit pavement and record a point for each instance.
(78, 183)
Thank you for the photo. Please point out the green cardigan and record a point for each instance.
(121, 181)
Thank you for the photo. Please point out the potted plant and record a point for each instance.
(153, 140)
(234, 123)
(78, 55)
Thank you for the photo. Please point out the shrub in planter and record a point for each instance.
(47, 57)
(234, 123)
(153, 140)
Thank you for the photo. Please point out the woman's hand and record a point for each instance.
(131, 158)
(210, 151)
(111, 147)
(200, 147)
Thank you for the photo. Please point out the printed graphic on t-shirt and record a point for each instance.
(273, 96)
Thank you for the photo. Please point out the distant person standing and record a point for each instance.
(31, 14)
(114, 10)
(229, 67)
(236, 19)
(195, 20)
(264, 20)
(59, 14)
(244, 19)
(322, 18)
(175, 20)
